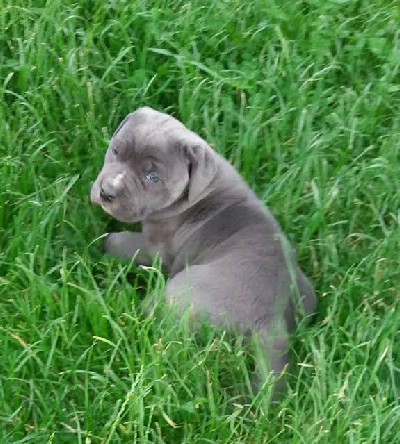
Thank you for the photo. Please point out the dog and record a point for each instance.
(225, 254)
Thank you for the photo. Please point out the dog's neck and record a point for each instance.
(169, 230)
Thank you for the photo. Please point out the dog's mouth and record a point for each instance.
(114, 208)
(106, 210)
(96, 200)
(118, 212)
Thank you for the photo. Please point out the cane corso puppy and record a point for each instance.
(225, 254)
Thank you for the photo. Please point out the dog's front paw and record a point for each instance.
(106, 242)
(126, 245)
(115, 244)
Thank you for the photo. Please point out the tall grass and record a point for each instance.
(303, 98)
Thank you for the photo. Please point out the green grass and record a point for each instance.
(304, 98)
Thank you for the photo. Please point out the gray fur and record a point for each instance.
(225, 253)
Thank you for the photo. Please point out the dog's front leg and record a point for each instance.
(126, 245)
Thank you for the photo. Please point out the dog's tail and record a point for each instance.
(271, 349)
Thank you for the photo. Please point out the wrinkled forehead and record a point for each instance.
(146, 129)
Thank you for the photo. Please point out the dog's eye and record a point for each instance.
(114, 151)
(152, 177)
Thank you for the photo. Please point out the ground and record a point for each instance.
(303, 97)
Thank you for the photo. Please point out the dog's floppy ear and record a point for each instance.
(202, 168)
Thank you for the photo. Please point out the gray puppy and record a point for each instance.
(225, 254)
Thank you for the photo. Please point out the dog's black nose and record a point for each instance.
(107, 194)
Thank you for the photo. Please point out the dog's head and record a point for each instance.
(153, 163)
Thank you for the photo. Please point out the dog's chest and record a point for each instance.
(160, 238)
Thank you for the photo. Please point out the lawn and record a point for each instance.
(303, 97)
